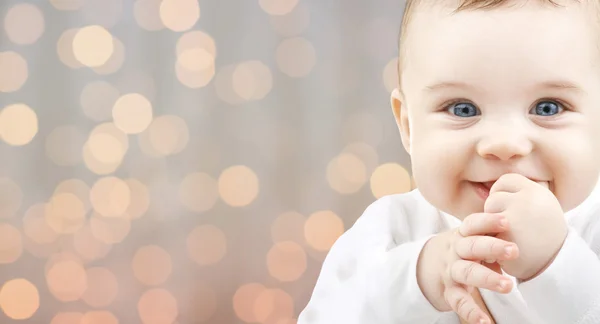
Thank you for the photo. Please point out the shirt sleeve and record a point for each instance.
(568, 291)
(368, 278)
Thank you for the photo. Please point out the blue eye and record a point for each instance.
(463, 109)
(547, 108)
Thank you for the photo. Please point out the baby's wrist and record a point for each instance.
(429, 272)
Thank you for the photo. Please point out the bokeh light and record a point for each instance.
(110, 196)
(206, 245)
(151, 265)
(289, 226)
(166, 135)
(195, 68)
(93, 45)
(147, 14)
(105, 149)
(11, 244)
(64, 47)
(196, 54)
(273, 306)
(252, 80)
(322, 229)
(195, 59)
(139, 201)
(14, 71)
(179, 15)
(67, 280)
(19, 299)
(196, 39)
(116, 60)
(76, 187)
(286, 261)
(346, 173)
(24, 23)
(390, 178)
(278, 7)
(367, 154)
(132, 113)
(66, 317)
(238, 186)
(65, 213)
(99, 317)
(296, 57)
(244, 299)
(224, 86)
(158, 306)
(18, 124)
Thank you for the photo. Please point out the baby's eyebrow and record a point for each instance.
(545, 85)
(448, 84)
(560, 85)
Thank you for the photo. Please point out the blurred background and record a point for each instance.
(185, 161)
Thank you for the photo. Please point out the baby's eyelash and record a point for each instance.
(445, 106)
(563, 104)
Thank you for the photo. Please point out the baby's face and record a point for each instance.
(510, 90)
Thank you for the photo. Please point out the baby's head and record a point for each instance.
(494, 87)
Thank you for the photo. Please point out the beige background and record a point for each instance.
(179, 161)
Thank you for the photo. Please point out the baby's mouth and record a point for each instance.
(488, 185)
(482, 189)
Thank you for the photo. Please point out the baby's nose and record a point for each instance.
(505, 146)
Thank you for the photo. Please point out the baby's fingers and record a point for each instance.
(473, 274)
(487, 248)
(482, 224)
(463, 304)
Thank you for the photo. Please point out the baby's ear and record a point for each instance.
(401, 114)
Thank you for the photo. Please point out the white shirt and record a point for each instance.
(369, 275)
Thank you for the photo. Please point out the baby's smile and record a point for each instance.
(482, 188)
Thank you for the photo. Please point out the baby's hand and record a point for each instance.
(537, 223)
(456, 257)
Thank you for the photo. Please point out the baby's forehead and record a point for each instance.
(519, 37)
(423, 12)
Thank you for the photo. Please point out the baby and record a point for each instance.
(498, 106)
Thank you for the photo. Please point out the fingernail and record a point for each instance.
(503, 284)
(483, 321)
(508, 250)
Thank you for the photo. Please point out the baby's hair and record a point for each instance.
(461, 5)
